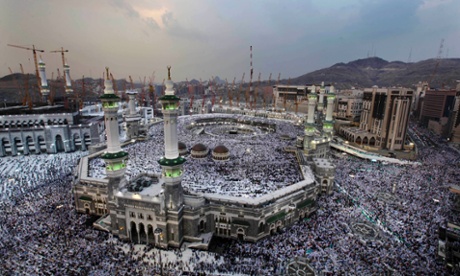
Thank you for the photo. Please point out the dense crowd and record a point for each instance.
(258, 158)
(41, 234)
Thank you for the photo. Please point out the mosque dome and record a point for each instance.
(220, 152)
(182, 148)
(220, 149)
(199, 151)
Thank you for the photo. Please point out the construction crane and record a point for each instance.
(438, 61)
(273, 94)
(190, 95)
(143, 96)
(34, 51)
(213, 93)
(254, 102)
(239, 90)
(83, 92)
(221, 101)
(114, 84)
(52, 85)
(16, 83)
(152, 94)
(204, 96)
(265, 92)
(163, 87)
(26, 99)
(285, 96)
(230, 93)
(62, 51)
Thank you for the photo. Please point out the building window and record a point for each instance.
(149, 217)
(132, 214)
(141, 216)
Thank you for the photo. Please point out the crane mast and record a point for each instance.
(273, 94)
(62, 51)
(16, 83)
(240, 90)
(34, 51)
(265, 92)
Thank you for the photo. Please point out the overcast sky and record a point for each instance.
(205, 38)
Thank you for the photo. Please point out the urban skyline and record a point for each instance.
(139, 37)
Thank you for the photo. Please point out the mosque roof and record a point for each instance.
(199, 147)
(182, 146)
(220, 149)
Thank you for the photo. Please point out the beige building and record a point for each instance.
(439, 113)
(384, 118)
(349, 105)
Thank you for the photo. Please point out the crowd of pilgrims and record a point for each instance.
(41, 234)
(258, 159)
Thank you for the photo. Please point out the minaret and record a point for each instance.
(328, 125)
(311, 108)
(310, 125)
(115, 158)
(68, 82)
(44, 90)
(322, 90)
(132, 119)
(171, 165)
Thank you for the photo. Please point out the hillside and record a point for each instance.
(377, 71)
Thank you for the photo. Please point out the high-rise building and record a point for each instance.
(439, 111)
(349, 105)
(384, 118)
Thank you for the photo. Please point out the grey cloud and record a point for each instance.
(173, 27)
(126, 7)
(152, 23)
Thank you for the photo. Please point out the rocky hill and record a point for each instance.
(377, 71)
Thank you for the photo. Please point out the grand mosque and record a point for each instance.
(202, 176)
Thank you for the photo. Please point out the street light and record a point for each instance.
(157, 234)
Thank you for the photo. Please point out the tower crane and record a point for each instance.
(213, 101)
(16, 83)
(83, 92)
(438, 61)
(273, 94)
(114, 84)
(204, 96)
(152, 94)
(265, 93)
(190, 95)
(34, 51)
(230, 92)
(221, 95)
(239, 90)
(254, 103)
(53, 88)
(143, 98)
(26, 99)
(62, 51)
(285, 96)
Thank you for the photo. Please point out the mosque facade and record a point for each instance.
(155, 209)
